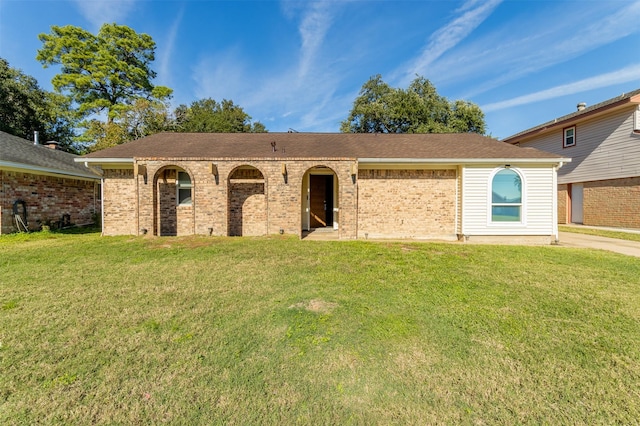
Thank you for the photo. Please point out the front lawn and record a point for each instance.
(281, 331)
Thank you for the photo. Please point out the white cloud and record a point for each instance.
(446, 38)
(99, 12)
(624, 75)
(546, 42)
(220, 76)
(297, 91)
(165, 60)
(313, 30)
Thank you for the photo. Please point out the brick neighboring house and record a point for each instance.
(45, 182)
(601, 185)
(421, 186)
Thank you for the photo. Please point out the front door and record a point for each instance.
(321, 201)
(576, 203)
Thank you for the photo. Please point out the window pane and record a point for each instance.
(184, 179)
(506, 187)
(184, 196)
(569, 136)
(505, 213)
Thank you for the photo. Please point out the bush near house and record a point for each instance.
(199, 330)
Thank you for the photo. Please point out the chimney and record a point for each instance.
(581, 106)
(36, 140)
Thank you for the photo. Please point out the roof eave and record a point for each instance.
(560, 123)
(38, 169)
(457, 161)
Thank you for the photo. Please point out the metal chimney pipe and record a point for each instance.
(581, 106)
(36, 139)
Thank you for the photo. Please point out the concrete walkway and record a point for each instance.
(630, 248)
(567, 239)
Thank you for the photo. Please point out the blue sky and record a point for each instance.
(300, 64)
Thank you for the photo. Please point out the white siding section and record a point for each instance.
(606, 148)
(538, 209)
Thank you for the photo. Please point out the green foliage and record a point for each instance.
(208, 115)
(103, 72)
(25, 108)
(418, 109)
(99, 135)
(143, 118)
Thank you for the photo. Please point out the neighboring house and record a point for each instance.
(44, 184)
(601, 186)
(421, 186)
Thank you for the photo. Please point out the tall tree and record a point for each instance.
(143, 118)
(380, 108)
(208, 115)
(25, 108)
(100, 73)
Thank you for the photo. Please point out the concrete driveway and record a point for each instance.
(569, 239)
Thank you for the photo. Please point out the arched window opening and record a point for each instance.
(506, 197)
(183, 184)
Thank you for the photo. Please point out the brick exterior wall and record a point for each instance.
(563, 203)
(119, 193)
(132, 202)
(247, 209)
(614, 202)
(48, 198)
(406, 203)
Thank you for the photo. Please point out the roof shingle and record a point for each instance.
(319, 145)
(20, 151)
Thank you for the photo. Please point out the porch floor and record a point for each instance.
(320, 234)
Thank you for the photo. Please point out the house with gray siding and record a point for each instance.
(354, 186)
(44, 185)
(601, 185)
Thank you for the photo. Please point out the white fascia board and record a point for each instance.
(460, 161)
(45, 170)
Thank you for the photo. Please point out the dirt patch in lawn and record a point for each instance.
(316, 305)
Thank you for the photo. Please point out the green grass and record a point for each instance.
(282, 331)
(629, 236)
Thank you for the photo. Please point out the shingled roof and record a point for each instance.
(318, 145)
(632, 97)
(18, 153)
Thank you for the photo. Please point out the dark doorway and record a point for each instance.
(321, 201)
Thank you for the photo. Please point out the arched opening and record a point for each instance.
(247, 208)
(173, 202)
(320, 201)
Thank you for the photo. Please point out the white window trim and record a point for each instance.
(564, 137)
(179, 187)
(523, 203)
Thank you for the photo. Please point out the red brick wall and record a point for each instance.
(47, 199)
(614, 202)
(563, 203)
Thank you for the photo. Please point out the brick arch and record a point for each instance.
(247, 201)
(320, 198)
(169, 217)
